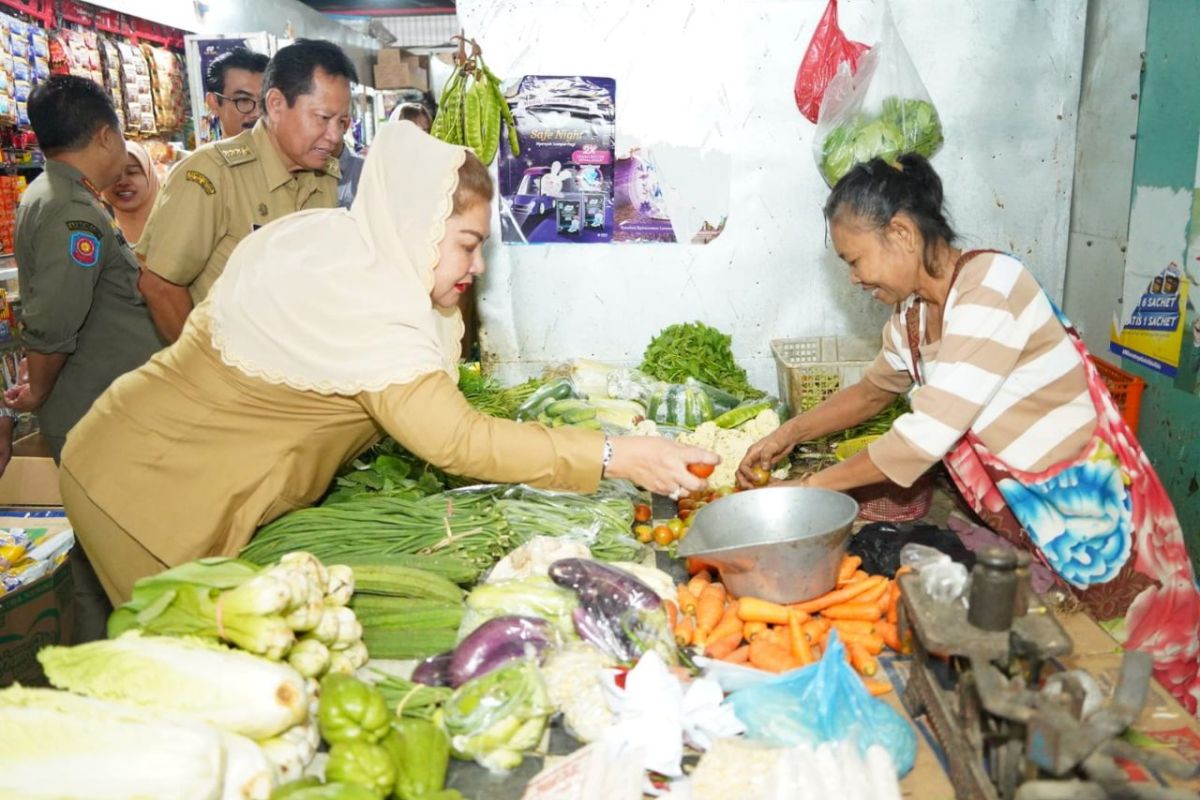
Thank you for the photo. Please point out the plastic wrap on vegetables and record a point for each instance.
(496, 718)
(574, 679)
(496, 642)
(536, 596)
(617, 612)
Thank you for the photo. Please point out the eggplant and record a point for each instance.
(496, 642)
(609, 590)
(600, 631)
(434, 671)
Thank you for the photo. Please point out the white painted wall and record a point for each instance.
(1004, 74)
(1104, 150)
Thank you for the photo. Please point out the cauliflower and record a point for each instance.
(732, 445)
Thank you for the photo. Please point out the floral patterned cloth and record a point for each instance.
(1104, 524)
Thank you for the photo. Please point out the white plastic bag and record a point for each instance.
(881, 111)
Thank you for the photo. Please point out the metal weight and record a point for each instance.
(993, 589)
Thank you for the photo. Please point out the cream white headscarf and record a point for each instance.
(336, 301)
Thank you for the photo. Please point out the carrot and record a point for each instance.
(753, 609)
(837, 596)
(710, 605)
(775, 635)
(877, 687)
(891, 637)
(814, 629)
(687, 600)
(863, 661)
(885, 598)
(728, 624)
(801, 650)
(752, 629)
(770, 656)
(698, 582)
(848, 567)
(719, 648)
(854, 626)
(672, 613)
(739, 656)
(684, 630)
(872, 643)
(852, 610)
(893, 609)
(859, 575)
(695, 565)
(873, 594)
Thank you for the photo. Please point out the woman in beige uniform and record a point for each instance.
(328, 329)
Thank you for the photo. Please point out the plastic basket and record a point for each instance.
(887, 501)
(811, 369)
(1126, 390)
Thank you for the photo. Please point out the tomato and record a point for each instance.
(724, 491)
(701, 470)
(760, 476)
(642, 512)
(687, 504)
(663, 535)
(676, 525)
(644, 533)
(686, 513)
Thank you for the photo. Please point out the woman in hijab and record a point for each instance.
(132, 197)
(328, 329)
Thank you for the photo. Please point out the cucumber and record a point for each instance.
(579, 415)
(561, 407)
(741, 414)
(543, 396)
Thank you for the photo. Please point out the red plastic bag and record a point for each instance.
(828, 49)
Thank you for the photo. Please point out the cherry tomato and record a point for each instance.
(724, 491)
(676, 525)
(686, 513)
(663, 535)
(687, 504)
(760, 476)
(701, 470)
(642, 512)
(644, 533)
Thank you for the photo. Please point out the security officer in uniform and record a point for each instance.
(227, 189)
(84, 322)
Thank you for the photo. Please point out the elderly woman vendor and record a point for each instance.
(1003, 392)
(327, 330)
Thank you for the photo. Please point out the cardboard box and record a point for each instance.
(31, 478)
(390, 55)
(34, 616)
(396, 69)
(391, 76)
(43, 612)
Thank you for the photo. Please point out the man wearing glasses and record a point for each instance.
(225, 190)
(234, 87)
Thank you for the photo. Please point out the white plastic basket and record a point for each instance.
(811, 369)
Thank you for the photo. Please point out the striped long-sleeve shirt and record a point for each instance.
(1004, 369)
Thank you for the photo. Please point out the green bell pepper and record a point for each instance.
(421, 751)
(351, 710)
(368, 765)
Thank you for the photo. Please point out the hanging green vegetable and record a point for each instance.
(472, 106)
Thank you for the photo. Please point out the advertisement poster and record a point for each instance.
(1188, 378)
(559, 190)
(669, 194)
(201, 51)
(1150, 329)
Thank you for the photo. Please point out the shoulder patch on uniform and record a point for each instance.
(83, 225)
(84, 248)
(201, 180)
(235, 154)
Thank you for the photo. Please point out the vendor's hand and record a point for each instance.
(22, 398)
(659, 465)
(763, 454)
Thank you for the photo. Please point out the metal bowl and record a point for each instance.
(781, 543)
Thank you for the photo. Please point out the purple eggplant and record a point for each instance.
(434, 671)
(496, 642)
(610, 590)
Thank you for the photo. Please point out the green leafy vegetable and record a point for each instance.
(695, 350)
(903, 125)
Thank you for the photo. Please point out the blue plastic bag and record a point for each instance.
(825, 702)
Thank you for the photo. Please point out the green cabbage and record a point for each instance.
(227, 688)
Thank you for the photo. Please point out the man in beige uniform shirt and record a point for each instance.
(227, 189)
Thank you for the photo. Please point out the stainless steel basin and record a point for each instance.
(781, 543)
